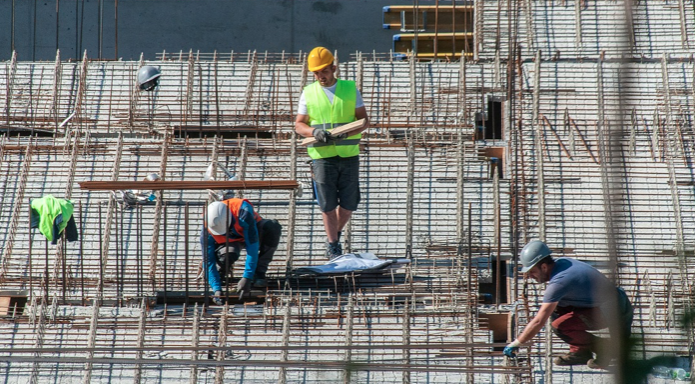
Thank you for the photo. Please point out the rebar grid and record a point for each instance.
(611, 128)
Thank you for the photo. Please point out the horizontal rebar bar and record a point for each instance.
(188, 185)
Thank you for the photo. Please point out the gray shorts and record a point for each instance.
(337, 182)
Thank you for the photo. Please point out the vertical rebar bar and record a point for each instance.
(29, 259)
(138, 249)
(413, 86)
(204, 250)
(284, 354)
(472, 301)
(91, 342)
(64, 270)
(124, 255)
(185, 251)
(243, 162)
(409, 199)
(16, 212)
(578, 24)
(195, 335)
(548, 357)
(349, 321)
(39, 332)
(137, 369)
(101, 257)
(538, 147)
(45, 271)
(8, 87)
(221, 343)
(292, 208)
(406, 340)
(80, 236)
(164, 252)
(115, 171)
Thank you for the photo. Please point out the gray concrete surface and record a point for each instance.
(113, 29)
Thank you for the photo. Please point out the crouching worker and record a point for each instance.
(230, 226)
(577, 299)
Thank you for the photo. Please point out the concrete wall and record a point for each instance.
(125, 28)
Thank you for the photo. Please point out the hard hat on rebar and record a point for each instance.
(532, 253)
(152, 177)
(218, 218)
(148, 77)
(319, 58)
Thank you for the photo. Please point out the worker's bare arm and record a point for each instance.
(302, 127)
(361, 113)
(534, 326)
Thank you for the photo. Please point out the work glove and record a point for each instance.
(512, 348)
(342, 136)
(322, 135)
(217, 299)
(243, 287)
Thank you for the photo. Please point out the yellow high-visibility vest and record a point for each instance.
(323, 114)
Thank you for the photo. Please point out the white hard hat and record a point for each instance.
(152, 177)
(532, 253)
(218, 218)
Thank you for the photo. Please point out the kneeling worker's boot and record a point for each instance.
(260, 283)
(574, 358)
(598, 363)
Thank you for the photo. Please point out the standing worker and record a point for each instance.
(577, 299)
(325, 104)
(232, 225)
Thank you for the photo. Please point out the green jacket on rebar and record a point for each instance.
(48, 208)
(326, 115)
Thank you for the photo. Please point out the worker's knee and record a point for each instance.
(271, 230)
(226, 256)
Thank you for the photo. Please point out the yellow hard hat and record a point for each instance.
(319, 58)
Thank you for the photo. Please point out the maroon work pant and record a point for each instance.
(572, 323)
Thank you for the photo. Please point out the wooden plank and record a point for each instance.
(431, 36)
(442, 8)
(8, 302)
(347, 128)
(447, 43)
(5, 305)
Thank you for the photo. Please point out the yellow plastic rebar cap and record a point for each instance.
(319, 58)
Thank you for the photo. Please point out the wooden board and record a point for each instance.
(8, 302)
(347, 128)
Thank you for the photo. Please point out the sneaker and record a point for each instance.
(597, 364)
(334, 250)
(574, 358)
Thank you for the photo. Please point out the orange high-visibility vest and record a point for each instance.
(234, 206)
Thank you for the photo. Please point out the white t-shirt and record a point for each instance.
(329, 91)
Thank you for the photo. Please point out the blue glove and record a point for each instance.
(512, 348)
(510, 351)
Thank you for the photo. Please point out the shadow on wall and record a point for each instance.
(134, 27)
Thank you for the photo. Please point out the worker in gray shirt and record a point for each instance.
(577, 299)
